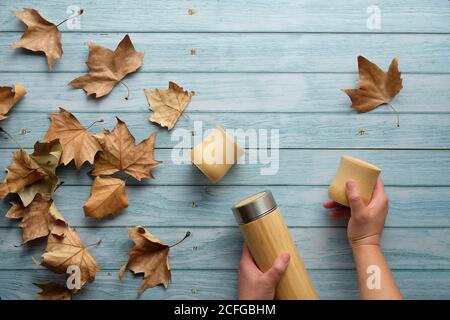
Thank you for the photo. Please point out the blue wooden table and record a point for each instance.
(253, 64)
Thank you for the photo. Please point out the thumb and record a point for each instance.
(354, 196)
(279, 266)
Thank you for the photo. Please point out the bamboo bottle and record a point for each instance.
(267, 236)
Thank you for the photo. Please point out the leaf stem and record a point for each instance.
(11, 137)
(128, 89)
(398, 114)
(94, 244)
(69, 18)
(188, 233)
(96, 121)
(58, 185)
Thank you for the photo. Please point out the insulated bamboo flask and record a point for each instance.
(267, 236)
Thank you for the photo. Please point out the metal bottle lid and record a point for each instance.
(254, 207)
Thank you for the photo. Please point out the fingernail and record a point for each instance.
(351, 185)
(285, 257)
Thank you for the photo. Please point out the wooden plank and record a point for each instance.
(298, 130)
(230, 92)
(295, 167)
(220, 248)
(248, 52)
(200, 206)
(219, 284)
(237, 16)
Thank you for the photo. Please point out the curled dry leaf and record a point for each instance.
(39, 219)
(9, 96)
(107, 67)
(53, 291)
(77, 143)
(167, 104)
(69, 251)
(22, 172)
(47, 156)
(376, 86)
(148, 256)
(107, 197)
(120, 153)
(41, 35)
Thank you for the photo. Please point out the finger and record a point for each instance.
(278, 268)
(354, 196)
(330, 204)
(247, 261)
(339, 213)
(378, 190)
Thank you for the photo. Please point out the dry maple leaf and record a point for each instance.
(47, 156)
(150, 257)
(39, 219)
(107, 197)
(53, 291)
(120, 153)
(68, 251)
(107, 67)
(376, 86)
(77, 143)
(167, 105)
(22, 172)
(9, 96)
(41, 35)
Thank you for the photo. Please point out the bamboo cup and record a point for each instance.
(364, 173)
(267, 236)
(215, 155)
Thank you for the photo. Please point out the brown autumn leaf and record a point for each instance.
(39, 219)
(77, 143)
(46, 155)
(9, 96)
(53, 291)
(68, 251)
(376, 87)
(148, 256)
(107, 197)
(22, 172)
(167, 104)
(120, 153)
(107, 67)
(41, 36)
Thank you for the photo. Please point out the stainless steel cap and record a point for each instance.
(254, 207)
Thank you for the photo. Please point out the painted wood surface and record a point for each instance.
(220, 247)
(417, 131)
(295, 167)
(221, 284)
(231, 92)
(247, 52)
(202, 207)
(262, 65)
(235, 16)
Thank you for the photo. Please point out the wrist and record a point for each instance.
(372, 241)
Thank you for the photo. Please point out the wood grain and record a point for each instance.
(246, 52)
(210, 206)
(230, 92)
(296, 167)
(417, 131)
(220, 248)
(220, 284)
(238, 16)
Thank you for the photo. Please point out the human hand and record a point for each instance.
(366, 222)
(253, 283)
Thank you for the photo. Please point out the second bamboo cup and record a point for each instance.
(267, 236)
(365, 174)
